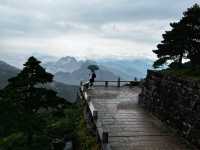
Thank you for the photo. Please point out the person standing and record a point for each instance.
(92, 78)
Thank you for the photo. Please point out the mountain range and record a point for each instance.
(68, 72)
(6, 72)
(64, 64)
(71, 71)
(69, 92)
(82, 74)
(128, 68)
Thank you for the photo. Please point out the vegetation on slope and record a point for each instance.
(34, 117)
(189, 73)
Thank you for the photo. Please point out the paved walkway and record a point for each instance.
(129, 126)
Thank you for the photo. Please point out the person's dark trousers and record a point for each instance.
(91, 83)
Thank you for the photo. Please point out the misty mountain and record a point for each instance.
(69, 92)
(82, 74)
(65, 64)
(128, 68)
(18, 61)
(43, 57)
(70, 71)
(6, 71)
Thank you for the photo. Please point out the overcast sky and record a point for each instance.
(86, 28)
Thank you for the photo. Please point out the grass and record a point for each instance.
(84, 140)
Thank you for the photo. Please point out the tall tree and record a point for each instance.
(182, 41)
(24, 103)
(191, 22)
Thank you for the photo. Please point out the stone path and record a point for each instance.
(129, 126)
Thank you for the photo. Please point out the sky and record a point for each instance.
(86, 28)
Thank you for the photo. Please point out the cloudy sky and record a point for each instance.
(86, 28)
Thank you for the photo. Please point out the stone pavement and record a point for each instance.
(129, 126)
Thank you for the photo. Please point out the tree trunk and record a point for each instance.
(180, 59)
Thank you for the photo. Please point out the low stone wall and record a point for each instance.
(175, 101)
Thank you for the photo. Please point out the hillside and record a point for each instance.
(69, 92)
(6, 71)
(82, 73)
(71, 71)
(128, 68)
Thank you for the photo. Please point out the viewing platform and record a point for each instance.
(121, 124)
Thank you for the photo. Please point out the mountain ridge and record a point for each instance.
(82, 73)
(64, 64)
(110, 69)
(69, 92)
(6, 72)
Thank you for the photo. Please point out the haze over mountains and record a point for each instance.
(68, 72)
(66, 91)
(71, 71)
(64, 64)
(128, 68)
(70, 68)
(6, 71)
(82, 74)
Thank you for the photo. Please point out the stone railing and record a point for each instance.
(175, 101)
(91, 114)
(106, 83)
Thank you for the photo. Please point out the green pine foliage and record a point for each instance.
(33, 117)
(182, 41)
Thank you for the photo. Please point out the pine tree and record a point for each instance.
(191, 21)
(172, 48)
(183, 41)
(24, 103)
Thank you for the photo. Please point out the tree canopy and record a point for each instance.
(25, 104)
(182, 41)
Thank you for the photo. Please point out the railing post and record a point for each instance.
(106, 83)
(105, 137)
(118, 82)
(95, 115)
(88, 98)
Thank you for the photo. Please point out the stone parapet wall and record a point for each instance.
(175, 101)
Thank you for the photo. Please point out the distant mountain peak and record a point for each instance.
(64, 64)
(67, 59)
(6, 66)
(6, 71)
(3, 63)
(69, 70)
